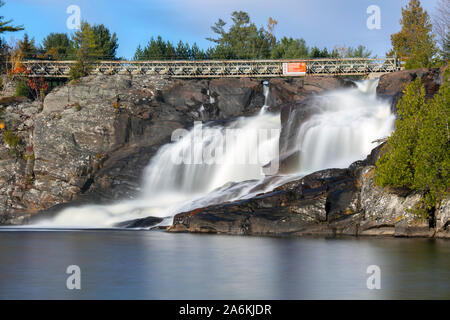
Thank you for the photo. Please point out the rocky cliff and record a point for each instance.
(330, 202)
(91, 139)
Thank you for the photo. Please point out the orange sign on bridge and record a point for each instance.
(294, 68)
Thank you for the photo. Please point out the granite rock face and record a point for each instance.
(391, 85)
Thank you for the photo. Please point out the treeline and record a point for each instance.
(60, 46)
(242, 40)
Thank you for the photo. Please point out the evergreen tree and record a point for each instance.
(108, 42)
(87, 50)
(396, 167)
(432, 153)
(156, 49)
(289, 48)
(415, 41)
(5, 25)
(315, 53)
(418, 151)
(197, 53)
(359, 52)
(58, 45)
(243, 40)
(27, 47)
(183, 51)
(139, 54)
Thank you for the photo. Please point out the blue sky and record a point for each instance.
(320, 22)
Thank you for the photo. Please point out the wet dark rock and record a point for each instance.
(333, 202)
(392, 85)
(315, 204)
(140, 223)
(236, 97)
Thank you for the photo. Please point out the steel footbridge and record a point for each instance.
(222, 69)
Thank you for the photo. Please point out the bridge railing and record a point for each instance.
(216, 68)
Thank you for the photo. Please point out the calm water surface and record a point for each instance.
(158, 265)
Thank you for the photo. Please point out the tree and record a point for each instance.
(243, 40)
(108, 42)
(289, 48)
(27, 47)
(197, 53)
(156, 49)
(97, 40)
(58, 45)
(87, 50)
(5, 25)
(396, 167)
(415, 41)
(317, 53)
(359, 52)
(183, 51)
(442, 27)
(271, 24)
(418, 151)
(139, 53)
(432, 153)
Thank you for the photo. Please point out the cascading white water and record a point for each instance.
(180, 178)
(343, 128)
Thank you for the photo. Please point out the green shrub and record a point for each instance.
(78, 70)
(418, 151)
(12, 140)
(22, 89)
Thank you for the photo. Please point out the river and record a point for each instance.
(120, 264)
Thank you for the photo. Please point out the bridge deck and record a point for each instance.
(216, 68)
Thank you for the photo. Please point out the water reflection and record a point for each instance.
(158, 265)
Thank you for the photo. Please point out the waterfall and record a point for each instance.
(266, 92)
(211, 164)
(343, 127)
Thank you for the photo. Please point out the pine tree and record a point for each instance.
(5, 25)
(359, 52)
(107, 42)
(88, 50)
(183, 51)
(139, 54)
(27, 47)
(289, 48)
(58, 45)
(415, 41)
